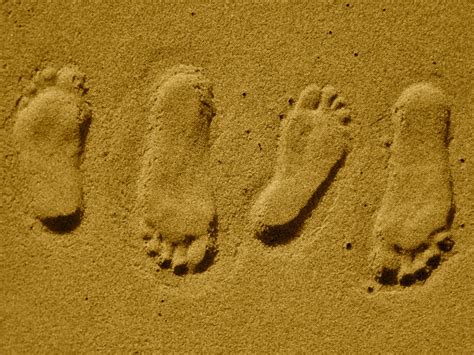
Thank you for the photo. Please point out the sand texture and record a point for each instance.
(228, 177)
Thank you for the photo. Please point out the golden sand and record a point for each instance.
(236, 177)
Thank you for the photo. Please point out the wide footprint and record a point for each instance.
(312, 147)
(51, 123)
(175, 195)
(412, 226)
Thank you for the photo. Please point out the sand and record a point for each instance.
(252, 177)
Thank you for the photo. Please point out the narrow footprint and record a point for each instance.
(51, 125)
(412, 225)
(312, 148)
(175, 196)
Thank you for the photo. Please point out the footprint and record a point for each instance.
(51, 125)
(412, 226)
(177, 210)
(312, 148)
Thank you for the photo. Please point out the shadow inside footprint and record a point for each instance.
(446, 245)
(388, 277)
(284, 234)
(63, 224)
(84, 131)
(211, 250)
(207, 260)
(419, 275)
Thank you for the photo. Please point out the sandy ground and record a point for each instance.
(95, 287)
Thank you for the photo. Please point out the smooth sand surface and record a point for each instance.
(249, 177)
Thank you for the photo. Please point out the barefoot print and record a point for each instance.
(51, 123)
(177, 207)
(312, 148)
(412, 226)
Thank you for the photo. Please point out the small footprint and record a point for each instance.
(313, 145)
(412, 226)
(175, 196)
(51, 125)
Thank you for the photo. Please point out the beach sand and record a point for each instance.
(236, 177)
